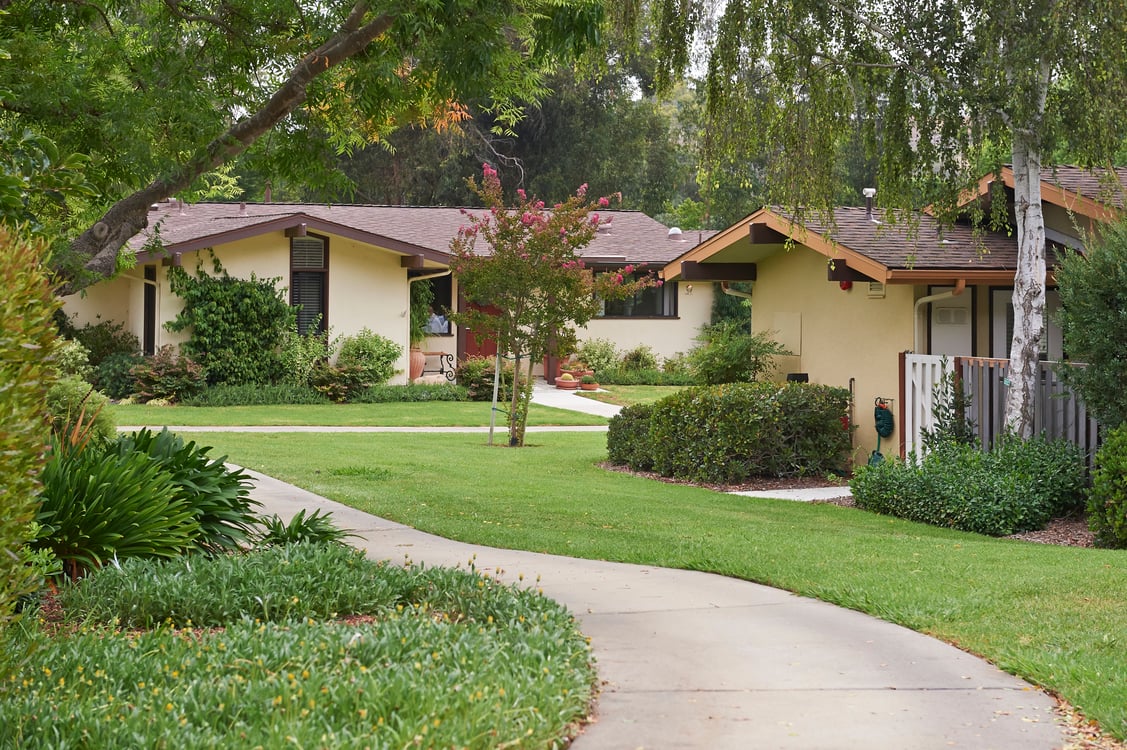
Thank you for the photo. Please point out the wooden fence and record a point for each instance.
(1058, 412)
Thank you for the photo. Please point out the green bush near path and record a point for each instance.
(454, 657)
(1052, 615)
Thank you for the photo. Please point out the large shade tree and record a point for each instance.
(944, 91)
(159, 93)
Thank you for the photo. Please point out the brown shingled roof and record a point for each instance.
(926, 245)
(419, 230)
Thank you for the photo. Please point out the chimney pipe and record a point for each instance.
(869, 194)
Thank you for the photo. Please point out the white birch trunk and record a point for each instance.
(1029, 287)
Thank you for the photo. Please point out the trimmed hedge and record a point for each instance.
(415, 392)
(729, 433)
(628, 437)
(1107, 501)
(1018, 486)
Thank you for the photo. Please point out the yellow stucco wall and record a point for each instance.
(836, 335)
(665, 336)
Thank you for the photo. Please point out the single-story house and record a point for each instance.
(352, 265)
(847, 291)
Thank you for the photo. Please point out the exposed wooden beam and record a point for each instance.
(761, 234)
(691, 270)
(297, 230)
(839, 271)
(411, 261)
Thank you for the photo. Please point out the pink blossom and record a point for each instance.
(539, 205)
(604, 202)
(521, 194)
(629, 268)
(660, 282)
(618, 278)
(594, 220)
(582, 191)
(527, 218)
(488, 171)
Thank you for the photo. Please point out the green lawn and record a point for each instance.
(625, 395)
(424, 414)
(1053, 615)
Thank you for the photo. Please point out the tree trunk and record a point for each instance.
(1029, 287)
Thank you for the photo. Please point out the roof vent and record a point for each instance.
(675, 234)
(243, 208)
(869, 194)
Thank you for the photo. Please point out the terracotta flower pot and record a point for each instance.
(416, 364)
(589, 386)
(567, 385)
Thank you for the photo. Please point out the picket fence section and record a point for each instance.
(1058, 411)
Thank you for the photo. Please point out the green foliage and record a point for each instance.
(640, 357)
(97, 505)
(218, 497)
(114, 375)
(168, 376)
(339, 383)
(429, 647)
(104, 339)
(27, 339)
(256, 395)
(373, 354)
(726, 434)
(1093, 295)
(315, 528)
(647, 377)
(476, 375)
(628, 438)
(422, 295)
(301, 353)
(1107, 499)
(731, 308)
(727, 353)
(73, 404)
(949, 406)
(412, 393)
(1019, 486)
(237, 326)
(72, 359)
(599, 354)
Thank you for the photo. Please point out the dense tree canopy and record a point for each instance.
(942, 90)
(158, 94)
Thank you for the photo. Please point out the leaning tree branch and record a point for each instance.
(101, 242)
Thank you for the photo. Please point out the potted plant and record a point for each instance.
(588, 383)
(567, 382)
(421, 298)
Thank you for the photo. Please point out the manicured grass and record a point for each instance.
(429, 658)
(625, 395)
(423, 414)
(1053, 615)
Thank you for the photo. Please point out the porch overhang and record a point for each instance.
(692, 270)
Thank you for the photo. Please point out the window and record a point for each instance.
(309, 282)
(651, 302)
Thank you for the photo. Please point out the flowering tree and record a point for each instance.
(523, 262)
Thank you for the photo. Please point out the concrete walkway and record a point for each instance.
(698, 661)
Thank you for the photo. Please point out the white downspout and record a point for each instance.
(960, 285)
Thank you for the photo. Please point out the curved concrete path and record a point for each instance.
(698, 661)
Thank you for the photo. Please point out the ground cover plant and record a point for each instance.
(256, 651)
(1052, 615)
(416, 414)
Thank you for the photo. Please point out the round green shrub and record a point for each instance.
(114, 375)
(639, 358)
(1107, 499)
(628, 438)
(475, 374)
(599, 354)
(104, 338)
(75, 405)
(727, 353)
(71, 358)
(374, 354)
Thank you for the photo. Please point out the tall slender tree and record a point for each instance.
(944, 91)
